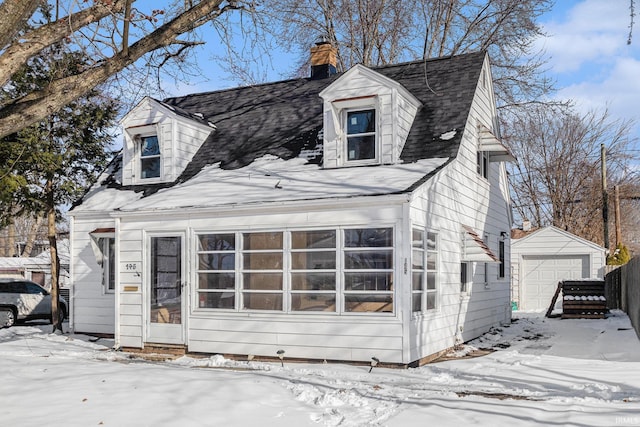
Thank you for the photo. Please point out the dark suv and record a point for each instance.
(22, 299)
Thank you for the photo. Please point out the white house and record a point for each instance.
(547, 256)
(340, 217)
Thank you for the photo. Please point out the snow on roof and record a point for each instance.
(271, 179)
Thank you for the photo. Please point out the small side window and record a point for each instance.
(109, 263)
(464, 277)
(501, 258)
(483, 164)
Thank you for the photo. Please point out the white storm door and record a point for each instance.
(165, 296)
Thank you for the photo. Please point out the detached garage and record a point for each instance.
(547, 256)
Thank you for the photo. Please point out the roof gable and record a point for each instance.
(343, 85)
(162, 109)
(546, 232)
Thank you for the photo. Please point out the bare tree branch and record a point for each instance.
(20, 112)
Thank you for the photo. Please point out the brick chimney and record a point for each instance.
(323, 59)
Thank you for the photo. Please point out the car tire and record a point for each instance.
(10, 316)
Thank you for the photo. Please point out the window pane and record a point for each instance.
(313, 302)
(150, 167)
(223, 261)
(313, 239)
(416, 302)
(368, 281)
(368, 303)
(361, 147)
(361, 121)
(216, 242)
(263, 281)
(368, 238)
(216, 280)
(258, 241)
(431, 260)
(368, 260)
(111, 280)
(150, 146)
(313, 281)
(217, 300)
(431, 280)
(431, 241)
(417, 238)
(313, 260)
(262, 301)
(431, 300)
(417, 260)
(417, 281)
(263, 261)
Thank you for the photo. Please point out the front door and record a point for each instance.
(165, 297)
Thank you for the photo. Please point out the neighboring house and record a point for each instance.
(546, 256)
(339, 217)
(38, 268)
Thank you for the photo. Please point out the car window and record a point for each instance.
(33, 289)
(15, 287)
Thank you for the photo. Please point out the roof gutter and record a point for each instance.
(264, 207)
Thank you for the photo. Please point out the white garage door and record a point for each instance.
(541, 275)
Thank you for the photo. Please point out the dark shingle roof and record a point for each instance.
(284, 118)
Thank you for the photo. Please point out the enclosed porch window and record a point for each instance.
(328, 270)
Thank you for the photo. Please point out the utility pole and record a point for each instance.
(605, 199)
(616, 190)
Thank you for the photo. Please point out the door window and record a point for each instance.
(166, 280)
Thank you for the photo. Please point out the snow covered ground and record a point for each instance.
(572, 372)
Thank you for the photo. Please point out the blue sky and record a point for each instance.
(590, 58)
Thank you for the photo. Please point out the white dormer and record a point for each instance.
(159, 142)
(367, 118)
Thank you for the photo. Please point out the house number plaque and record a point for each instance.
(132, 266)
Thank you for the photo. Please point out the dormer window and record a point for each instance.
(366, 119)
(149, 157)
(361, 135)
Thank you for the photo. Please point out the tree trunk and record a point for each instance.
(31, 238)
(55, 261)
(11, 240)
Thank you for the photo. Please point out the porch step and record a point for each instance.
(157, 352)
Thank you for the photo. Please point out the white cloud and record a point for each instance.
(618, 90)
(591, 31)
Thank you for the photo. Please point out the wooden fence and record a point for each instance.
(622, 290)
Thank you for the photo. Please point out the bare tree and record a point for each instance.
(557, 180)
(114, 33)
(379, 32)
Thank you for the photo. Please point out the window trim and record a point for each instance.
(464, 277)
(340, 109)
(482, 163)
(376, 139)
(502, 267)
(108, 263)
(424, 250)
(141, 157)
(136, 134)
